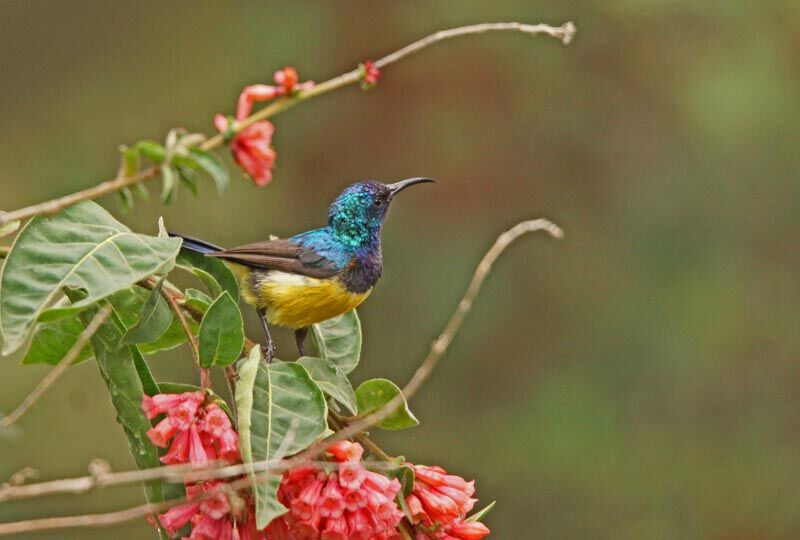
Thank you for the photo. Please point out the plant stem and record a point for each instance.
(60, 368)
(564, 33)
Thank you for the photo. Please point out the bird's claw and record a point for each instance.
(268, 352)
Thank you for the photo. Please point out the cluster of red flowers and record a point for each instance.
(340, 500)
(200, 432)
(349, 502)
(252, 147)
(215, 513)
(439, 503)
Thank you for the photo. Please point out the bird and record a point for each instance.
(318, 274)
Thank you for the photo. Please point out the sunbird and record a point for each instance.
(315, 275)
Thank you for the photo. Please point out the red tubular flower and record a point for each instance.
(252, 150)
(252, 147)
(467, 530)
(175, 518)
(370, 74)
(346, 451)
(199, 432)
(439, 503)
(350, 503)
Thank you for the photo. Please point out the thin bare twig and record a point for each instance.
(180, 473)
(57, 371)
(439, 347)
(564, 33)
(205, 374)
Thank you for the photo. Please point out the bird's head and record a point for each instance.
(358, 212)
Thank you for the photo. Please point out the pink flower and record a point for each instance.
(252, 94)
(161, 403)
(370, 74)
(289, 82)
(178, 516)
(199, 433)
(252, 146)
(439, 503)
(467, 530)
(252, 150)
(351, 475)
(346, 451)
(350, 503)
(162, 432)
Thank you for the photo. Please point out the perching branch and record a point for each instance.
(57, 371)
(439, 347)
(205, 374)
(564, 33)
(181, 473)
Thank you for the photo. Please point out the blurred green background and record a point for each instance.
(637, 380)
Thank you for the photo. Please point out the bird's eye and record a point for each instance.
(378, 202)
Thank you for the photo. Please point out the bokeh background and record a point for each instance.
(637, 380)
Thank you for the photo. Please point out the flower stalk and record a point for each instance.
(564, 33)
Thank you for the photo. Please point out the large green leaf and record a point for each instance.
(373, 394)
(197, 301)
(338, 340)
(331, 380)
(127, 376)
(274, 402)
(221, 335)
(82, 247)
(53, 339)
(154, 318)
(212, 272)
(212, 165)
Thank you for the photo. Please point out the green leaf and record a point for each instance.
(169, 184)
(82, 247)
(154, 318)
(125, 199)
(141, 191)
(149, 385)
(118, 366)
(338, 340)
(151, 150)
(374, 394)
(480, 514)
(405, 475)
(130, 160)
(331, 380)
(212, 272)
(52, 340)
(272, 402)
(221, 335)
(212, 165)
(174, 336)
(9, 228)
(196, 300)
(189, 179)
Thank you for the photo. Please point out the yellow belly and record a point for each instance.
(296, 301)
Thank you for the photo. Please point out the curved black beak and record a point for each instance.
(397, 187)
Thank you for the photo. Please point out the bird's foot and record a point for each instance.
(299, 338)
(268, 352)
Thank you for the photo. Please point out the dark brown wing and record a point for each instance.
(282, 255)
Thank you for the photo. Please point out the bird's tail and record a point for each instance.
(195, 244)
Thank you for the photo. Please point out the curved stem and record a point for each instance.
(565, 33)
(60, 368)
